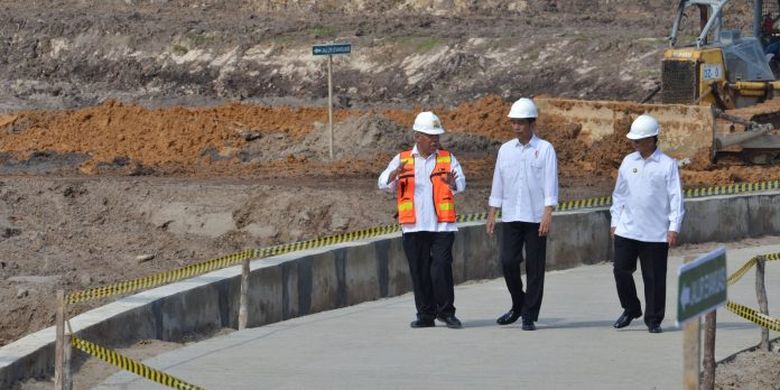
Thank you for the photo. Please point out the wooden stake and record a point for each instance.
(691, 354)
(68, 351)
(242, 305)
(59, 343)
(710, 321)
(763, 303)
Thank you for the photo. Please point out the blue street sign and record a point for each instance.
(331, 48)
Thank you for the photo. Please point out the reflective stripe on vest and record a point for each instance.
(442, 195)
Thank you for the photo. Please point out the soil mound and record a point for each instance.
(249, 139)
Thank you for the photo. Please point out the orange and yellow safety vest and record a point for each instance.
(443, 200)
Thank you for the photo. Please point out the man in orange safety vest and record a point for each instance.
(425, 179)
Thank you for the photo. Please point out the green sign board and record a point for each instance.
(701, 285)
(331, 48)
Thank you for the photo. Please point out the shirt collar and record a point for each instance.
(532, 142)
(416, 153)
(655, 156)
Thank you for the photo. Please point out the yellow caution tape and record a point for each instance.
(737, 275)
(585, 203)
(688, 194)
(754, 316)
(235, 258)
(325, 241)
(471, 217)
(127, 364)
(159, 278)
(745, 312)
(192, 270)
(732, 189)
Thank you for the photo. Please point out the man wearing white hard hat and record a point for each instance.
(647, 211)
(425, 179)
(525, 189)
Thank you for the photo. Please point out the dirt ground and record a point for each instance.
(749, 369)
(203, 124)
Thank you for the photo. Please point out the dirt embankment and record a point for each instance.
(247, 139)
(75, 53)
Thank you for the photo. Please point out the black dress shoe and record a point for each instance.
(451, 321)
(625, 319)
(528, 325)
(422, 324)
(655, 329)
(509, 317)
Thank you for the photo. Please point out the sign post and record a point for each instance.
(330, 49)
(701, 288)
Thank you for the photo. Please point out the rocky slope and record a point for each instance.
(72, 53)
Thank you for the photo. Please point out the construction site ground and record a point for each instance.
(141, 136)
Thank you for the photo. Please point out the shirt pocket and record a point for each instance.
(657, 179)
(537, 167)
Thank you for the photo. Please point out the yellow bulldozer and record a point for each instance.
(716, 93)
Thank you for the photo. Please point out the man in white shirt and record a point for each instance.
(425, 179)
(525, 189)
(647, 211)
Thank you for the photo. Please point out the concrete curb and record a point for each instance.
(311, 281)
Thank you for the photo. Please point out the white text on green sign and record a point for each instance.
(701, 285)
(333, 48)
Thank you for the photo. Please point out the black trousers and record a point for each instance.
(515, 235)
(430, 265)
(653, 258)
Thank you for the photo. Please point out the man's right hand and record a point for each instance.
(396, 172)
(612, 231)
(490, 225)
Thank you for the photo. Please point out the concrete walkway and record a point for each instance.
(370, 346)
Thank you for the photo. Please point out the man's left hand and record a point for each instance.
(671, 238)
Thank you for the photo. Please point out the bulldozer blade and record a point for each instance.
(686, 130)
(763, 142)
(745, 138)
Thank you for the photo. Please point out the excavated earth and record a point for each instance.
(142, 135)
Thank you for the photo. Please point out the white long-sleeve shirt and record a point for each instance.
(424, 210)
(525, 180)
(647, 202)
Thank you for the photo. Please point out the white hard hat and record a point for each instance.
(523, 108)
(428, 123)
(644, 126)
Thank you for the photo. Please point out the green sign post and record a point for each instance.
(329, 49)
(701, 285)
(701, 288)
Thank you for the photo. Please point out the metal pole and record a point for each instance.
(763, 303)
(330, 104)
(59, 344)
(758, 17)
(710, 321)
(242, 305)
(691, 354)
